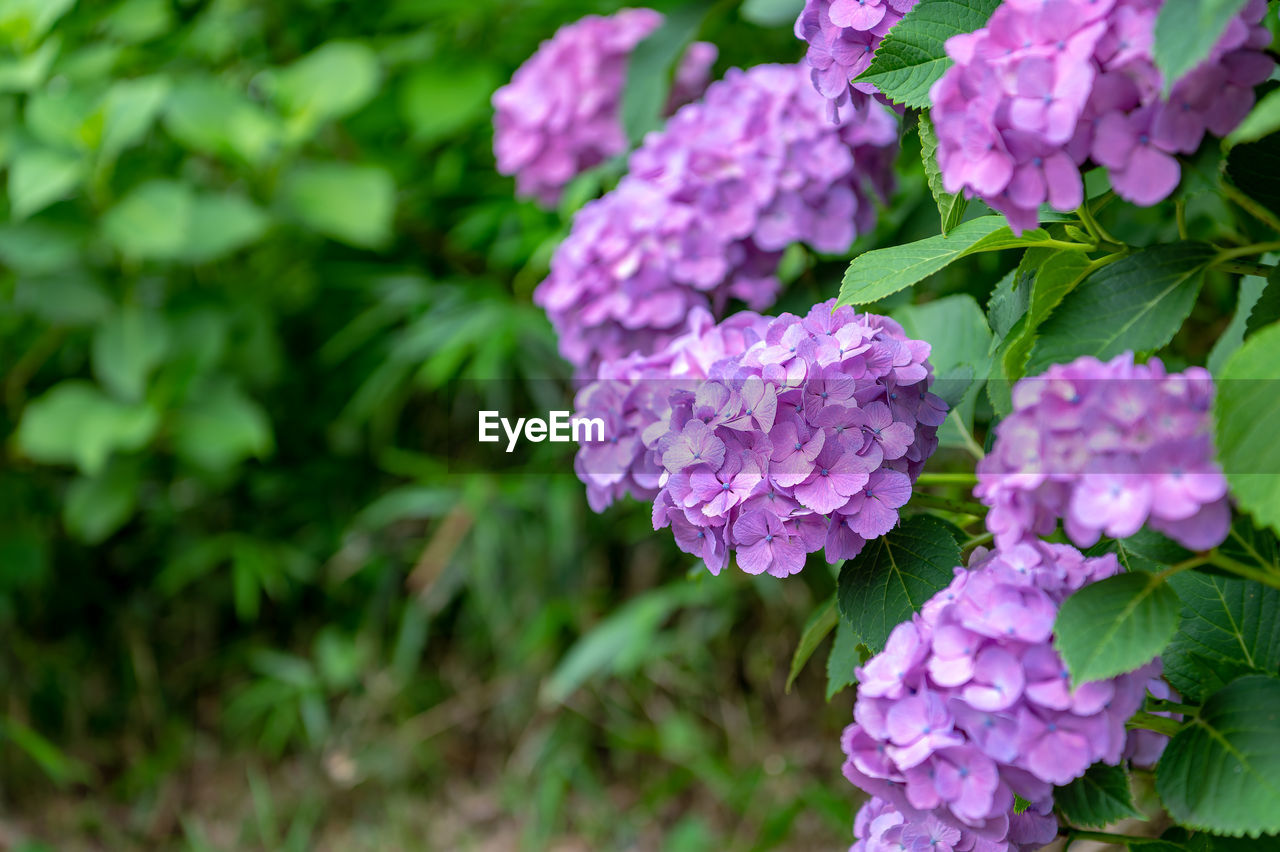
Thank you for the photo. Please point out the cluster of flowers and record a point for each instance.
(706, 209)
(1107, 447)
(1047, 85)
(631, 396)
(842, 36)
(969, 703)
(881, 827)
(559, 115)
(810, 440)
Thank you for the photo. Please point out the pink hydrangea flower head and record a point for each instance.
(1049, 86)
(559, 115)
(1107, 448)
(809, 439)
(706, 210)
(881, 827)
(969, 704)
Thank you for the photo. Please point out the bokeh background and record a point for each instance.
(244, 602)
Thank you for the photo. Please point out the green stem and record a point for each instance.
(1247, 267)
(1246, 251)
(1159, 705)
(959, 507)
(947, 479)
(1094, 227)
(1248, 572)
(977, 540)
(1179, 567)
(1180, 210)
(1151, 722)
(1105, 837)
(1251, 207)
(970, 445)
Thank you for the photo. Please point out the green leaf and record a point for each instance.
(209, 116)
(38, 248)
(40, 176)
(439, 101)
(1137, 303)
(1186, 31)
(61, 768)
(1254, 169)
(75, 423)
(129, 110)
(951, 206)
(771, 13)
(1008, 303)
(894, 575)
(126, 348)
(221, 427)
(620, 642)
(153, 222)
(99, 505)
(136, 21)
(960, 340)
(66, 299)
(913, 54)
(222, 225)
(24, 22)
(352, 204)
(1262, 121)
(1115, 625)
(883, 272)
(1228, 627)
(1245, 409)
(652, 64)
(27, 73)
(1232, 337)
(335, 79)
(1266, 309)
(1221, 773)
(1098, 798)
(1048, 276)
(816, 627)
(842, 660)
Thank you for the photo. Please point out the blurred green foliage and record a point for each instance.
(243, 603)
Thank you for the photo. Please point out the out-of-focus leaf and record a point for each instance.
(651, 66)
(957, 331)
(353, 204)
(771, 13)
(843, 659)
(1186, 31)
(38, 248)
(136, 21)
(24, 22)
(40, 176)
(221, 427)
(439, 101)
(221, 225)
(25, 73)
(65, 117)
(24, 556)
(126, 348)
(152, 222)
(60, 767)
(64, 299)
(1262, 121)
(99, 505)
(1254, 168)
(76, 423)
(129, 110)
(209, 116)
(335, 79)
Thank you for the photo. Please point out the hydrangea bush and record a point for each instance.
(1008, 684)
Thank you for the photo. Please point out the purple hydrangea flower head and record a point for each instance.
(969, 704)
(1107, 447)
(808, 440)
(631, 396)
(842, 36)
(1048, 86)
(559, 115)
(881, 827)
(706, 209)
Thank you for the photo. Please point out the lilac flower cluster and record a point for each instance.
(706, 210)
(810, 440)
(842, 36)
(631, 396)
(559, 115)
(880, 827)
(1107, 447)
(969, 703)
(1048, 85)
